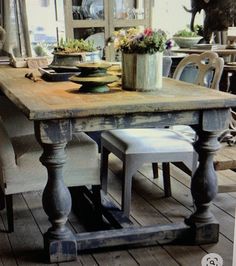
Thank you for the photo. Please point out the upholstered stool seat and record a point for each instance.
(131, 141)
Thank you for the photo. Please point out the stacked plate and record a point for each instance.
(93, 9)
(94, 77)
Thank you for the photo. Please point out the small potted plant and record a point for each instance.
(71, 52)
(186, 38)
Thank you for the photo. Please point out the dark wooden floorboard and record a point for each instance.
(26, 241)
(183, 207)
(34, 203)
(156, 206)
(6, 253)
(143, 214)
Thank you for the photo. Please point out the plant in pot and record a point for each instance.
(69, 53)
(186, 38)
(142, 55)
(40, 50)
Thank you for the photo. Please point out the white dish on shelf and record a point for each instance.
(85, 8)
(98, 39)
(96, 10)
(205, 46)
(231, 63)
(93, 9)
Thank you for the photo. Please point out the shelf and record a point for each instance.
(88, 18)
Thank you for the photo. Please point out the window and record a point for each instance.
(46, 24)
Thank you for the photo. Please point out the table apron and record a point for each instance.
(135, 120)
(61, 130)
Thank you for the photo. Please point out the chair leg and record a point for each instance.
(166, 179)
(155, 170)
(9, 208)
(104, 168)
(2, 199)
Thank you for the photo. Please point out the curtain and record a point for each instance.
(16, 26)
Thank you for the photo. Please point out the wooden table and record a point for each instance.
(58, 110)
(220, 51)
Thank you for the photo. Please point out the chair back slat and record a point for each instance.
(204, 69)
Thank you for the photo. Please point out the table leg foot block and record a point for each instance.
(60, 250)
(206, 234)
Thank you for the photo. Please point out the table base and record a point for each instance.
(126, 234)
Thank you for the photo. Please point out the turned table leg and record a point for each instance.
(59, 242)
(204, 189)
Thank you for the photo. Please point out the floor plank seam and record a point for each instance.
(144, 200)
(32, 214)
(171, 196)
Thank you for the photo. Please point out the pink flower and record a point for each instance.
(148, 32)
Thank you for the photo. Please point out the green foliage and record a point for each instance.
(75, 46)
(39, 50)
(187, 32)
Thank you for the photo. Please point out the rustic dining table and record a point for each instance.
(58, 109)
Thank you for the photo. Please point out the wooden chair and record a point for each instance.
(20, 168)
(135, 147)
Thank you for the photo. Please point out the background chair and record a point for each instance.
(167, 62)
(135, 147)
(20, 168)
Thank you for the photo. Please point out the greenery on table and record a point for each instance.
(75, 46)
(187, 32)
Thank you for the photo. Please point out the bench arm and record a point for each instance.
(7, 154)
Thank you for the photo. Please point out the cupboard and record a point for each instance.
(97, 20)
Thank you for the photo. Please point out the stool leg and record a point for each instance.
(166, 179)
(129, 169)
(155, 170)
(9, 208)
(104, 168)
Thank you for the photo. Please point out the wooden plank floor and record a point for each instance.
(24, 247)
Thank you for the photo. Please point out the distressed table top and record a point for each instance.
(53, 100)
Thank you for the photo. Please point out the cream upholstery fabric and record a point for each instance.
(20, 168)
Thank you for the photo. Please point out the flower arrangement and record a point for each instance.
(141, 41)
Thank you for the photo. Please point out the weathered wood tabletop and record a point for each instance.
(58, 109)
(52, 100)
